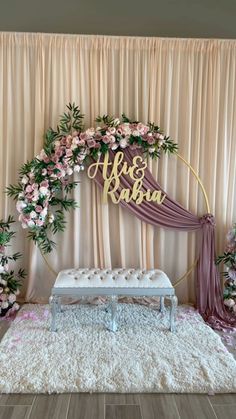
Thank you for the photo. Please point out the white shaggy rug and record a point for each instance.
(142, 356)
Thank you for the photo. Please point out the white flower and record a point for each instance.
(43, 190)
(51, 218)
(20, 205)
(77, 168)
(7, 290)
(69, 171)
(31, 223)
(111, 130)
(3, 282)
(123, 143)
(57, 143)
(24, 179)
(151, 149)
(115, 146)
(229, 302)
(44, 212)
(1, 290)
(12, 298)
(35, 196)
(90, 132)
(4, 304)
(2, 269)
(73, 147)
(33, 214)
(98, 129)
(135, 133)
(116, 121)
(125, 128)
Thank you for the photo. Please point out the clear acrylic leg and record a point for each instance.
(174, 303)
(113, 309)
(162, 304)
(53, 301)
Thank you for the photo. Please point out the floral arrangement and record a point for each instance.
(42, 193)
(9, 281)
(229, 259)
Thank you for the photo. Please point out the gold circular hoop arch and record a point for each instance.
(189, 271)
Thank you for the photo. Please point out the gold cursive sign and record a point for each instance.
(112, 180)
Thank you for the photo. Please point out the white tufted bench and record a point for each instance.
(113, 283)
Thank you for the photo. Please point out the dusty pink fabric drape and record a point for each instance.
(170, 214)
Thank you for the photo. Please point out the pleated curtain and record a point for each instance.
(187, 86)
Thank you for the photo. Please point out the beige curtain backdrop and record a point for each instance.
(187, 86)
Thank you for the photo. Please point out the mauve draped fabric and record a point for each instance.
(170, 214)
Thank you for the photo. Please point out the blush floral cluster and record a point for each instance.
(229, 260)
(42, 193)
(10, 281)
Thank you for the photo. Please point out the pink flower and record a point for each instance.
(91, 143)
(150, 140)
(2, 249)
(29, 189)
(69, 141)
(69, 152)
(83, 136)
(58, 153)
(111, 130)
(106, 139)
(63, 141)
(34, 186)
(81, 143)
(39, 223)
(38, 208)
(44, 183)
(143, 129)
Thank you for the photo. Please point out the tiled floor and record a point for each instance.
(116, 406)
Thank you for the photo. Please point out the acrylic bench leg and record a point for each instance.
(162, 304)
(113, 307)
(174, 303)
(53, 301)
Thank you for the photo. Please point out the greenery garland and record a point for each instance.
(229, 260)
(10, 281)
(43, 190)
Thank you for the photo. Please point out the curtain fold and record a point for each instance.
(187, 86)
(170, 214)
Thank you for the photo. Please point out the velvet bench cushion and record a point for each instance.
(112, 283)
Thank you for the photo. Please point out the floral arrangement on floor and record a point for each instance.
(10, 281)
(42, 193)
(229, 259)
